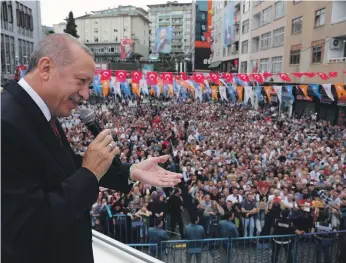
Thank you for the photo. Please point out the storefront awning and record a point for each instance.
(215, 64)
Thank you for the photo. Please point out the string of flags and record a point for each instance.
(214, 86)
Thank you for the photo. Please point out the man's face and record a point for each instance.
(128, 48)
(163, 33)
(66, 86)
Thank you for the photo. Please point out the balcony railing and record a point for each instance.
(337, 60)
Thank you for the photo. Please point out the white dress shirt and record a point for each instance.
(38, 100)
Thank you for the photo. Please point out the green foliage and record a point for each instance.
(71, 27)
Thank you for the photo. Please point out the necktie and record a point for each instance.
(55, 129)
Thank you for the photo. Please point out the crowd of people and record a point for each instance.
(239, 166)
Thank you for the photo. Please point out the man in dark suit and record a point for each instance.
(46, 189)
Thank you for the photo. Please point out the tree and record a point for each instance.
(71, 27)
(50, 32)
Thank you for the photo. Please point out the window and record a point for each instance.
(295, 57)
(18, 16)
(31, 23)
(96, 39)
(246, 6)
(245, 26)
(320, 16)
(266, 16)
(4, 11)
(255, 44)
(95, 22)
(10, 13)
(264, 65)
(256, 21)
(278, 37)
(244, 47)
(265, 40)
(243, 67)
(279, 9)
(115, 30)
(296, 1)
(203, 27)
(96, 30)
(317, 54)
(203, 16)
(276, 64)
(297, 25)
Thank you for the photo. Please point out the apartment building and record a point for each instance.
(102, 31)
(178, 17)
(20, 31)
(315, 39)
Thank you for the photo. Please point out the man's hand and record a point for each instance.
(100, 154)
(149, 172)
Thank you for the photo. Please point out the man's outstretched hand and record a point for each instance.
(149, 172)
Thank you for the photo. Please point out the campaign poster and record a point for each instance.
(228, 24)
(163, 40)
(126, 48)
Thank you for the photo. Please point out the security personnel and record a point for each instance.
(284, 226)
(156, 234)
(227, 229)
(194, 231)
(324, 239)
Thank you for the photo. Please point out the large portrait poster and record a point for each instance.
(228, 24)
(163, 41)
(126, 48)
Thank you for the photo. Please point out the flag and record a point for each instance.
(167, 78)
(244, 77)
(315, 88)
(268, 90)
(152, 78)
(257, 77)
(136, 76)
(198, 77)
(339, 87)
(284, 77)
(106, 75)
(184, 76)
(239, 90)
(304, 89)
(298, 74)
(289, 89)
(278, 90)
(121, 75)
(309, 74)
(214, 77)
(328, 89)
(222, 91)
(228, 77)
(207, 87)
(214, 92)
(267, 75)
(248, 94)
(322, 75)
(333, 74)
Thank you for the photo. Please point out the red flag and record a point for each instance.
(284, 77)
(136, 76)
(106, 75)
(214, 77)
(177, 77)
(121, 75)
(267, 75)
(152, 78)
(228, 77)
(167, 78)
(322, 75)
(257, 77)
(98, 71)
(198, 77)
(184, 76)
(298, 74)
(243, 77)
(333, 74)
(309, 74)
(344, 71)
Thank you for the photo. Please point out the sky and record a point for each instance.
(54, 11)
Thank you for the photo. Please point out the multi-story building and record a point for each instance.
(201, 23)
(315, 39)
(102, 31)
(59, 28)
(20, 31)
(177, 16)
(261, 45)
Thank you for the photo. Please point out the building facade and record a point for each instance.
(315, 39)
(102, 31)
(20, 31)
(59, 28)
(178, 17)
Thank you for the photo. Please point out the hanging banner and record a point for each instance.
(126, 48)
(340, 91)
(268, 90)
(278, 91)
(328, 89)
(239, 90)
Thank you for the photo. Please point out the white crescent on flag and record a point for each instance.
(152, 76)
(121, 74)
(136, 74)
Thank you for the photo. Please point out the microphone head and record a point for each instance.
(87, 115)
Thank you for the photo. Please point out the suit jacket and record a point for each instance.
(46, 194)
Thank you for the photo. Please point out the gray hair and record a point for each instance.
(58, 48)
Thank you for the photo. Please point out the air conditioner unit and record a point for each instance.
(335, 43)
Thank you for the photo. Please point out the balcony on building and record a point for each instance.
(256, 21)
(338, 12)
(337, 49)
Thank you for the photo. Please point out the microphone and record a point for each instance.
(88, 117)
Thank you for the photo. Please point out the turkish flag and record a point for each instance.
(120, 75)
(198, 77)
(322, 75)
(184, 76)
(152, 78)
(98, 71)
(106, 75)
(257, 77)
(267, 75)
(284, 77)
(136, 76)
(298, 74)
(214, 77)
(309, 74)
(228, 77)
(244, 77)
(167, 78)
(333, 74)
